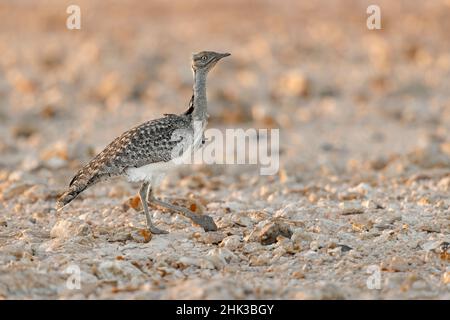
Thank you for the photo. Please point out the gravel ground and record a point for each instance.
(364, 180)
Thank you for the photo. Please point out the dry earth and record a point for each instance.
(364, 178)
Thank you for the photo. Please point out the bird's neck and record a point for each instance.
(199, 103)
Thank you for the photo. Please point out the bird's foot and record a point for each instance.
(155, 230)
(206, 222)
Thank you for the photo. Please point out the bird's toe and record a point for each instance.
(155, 230)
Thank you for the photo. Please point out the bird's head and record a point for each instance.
(206, 60)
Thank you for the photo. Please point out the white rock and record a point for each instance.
(291, 211)
(231, 242)
(189, 261)
(62, 229)
(300, 235)
(314, 245)
(351, 207)
(311, 255)
(123, 270)
(242, 220)
(235, 206)
(362, 188)
(56, 163)
(431, 245)
(65, 229)
(220, 257)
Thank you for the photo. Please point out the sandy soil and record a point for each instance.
(365, 150)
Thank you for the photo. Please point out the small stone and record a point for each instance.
(311, 255)
(349, 208)
(271, 231)
(117, 191)
(349, 195)
(83, 230)
(213, 237)
(314, 245)
(241, 220)
(195, 206)
(298, 275)
(283, 175)
(288, 246)
(231, 242)
(135, 203)
(362, 188)
(37, 192)
(300, 235)
(288, 212)
(120, 235)
(196, 262)
(370, 204)
(15, 191)
(446, 277)
(431, 245)
(220, 257)
(335, 251)
(293, 84)
(55, 163)
(444, 246)
(330, 291)
(344, 247)
(444, 251)
(141, 235)
(444, 184)
(396, 264)
(117, 269)
(260, 260)
(430, 227)
(378, 163)
(63, 229)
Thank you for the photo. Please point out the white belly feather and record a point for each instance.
(154, 172)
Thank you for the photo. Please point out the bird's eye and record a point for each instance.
(204, 58)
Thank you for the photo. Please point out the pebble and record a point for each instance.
(299, 235)
(15, 191)
(431, 245)
(271, 231)
(446, 277)
(141, 235)
(220, 257)
(197, 262)
(231, 242)
(351, 207)
(63, 229)
(117, 269)
(311, 255)
(396, 264)
(291, 211)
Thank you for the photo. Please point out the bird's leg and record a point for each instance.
(143, 194)
(206, 222)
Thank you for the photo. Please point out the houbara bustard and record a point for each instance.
(146, 152)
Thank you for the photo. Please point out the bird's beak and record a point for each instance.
(223, 55)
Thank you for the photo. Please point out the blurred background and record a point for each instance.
(353, 105)
(313, 70)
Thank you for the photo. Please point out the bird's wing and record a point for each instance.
(151, 142)
(191, 106)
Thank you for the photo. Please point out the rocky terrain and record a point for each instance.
(358, 210)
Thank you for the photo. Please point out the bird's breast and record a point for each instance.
(152, 172)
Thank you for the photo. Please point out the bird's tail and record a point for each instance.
(67, 197)
(82, 180)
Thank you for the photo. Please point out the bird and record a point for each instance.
(150, 150)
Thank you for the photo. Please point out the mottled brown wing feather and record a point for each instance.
(150, 142)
